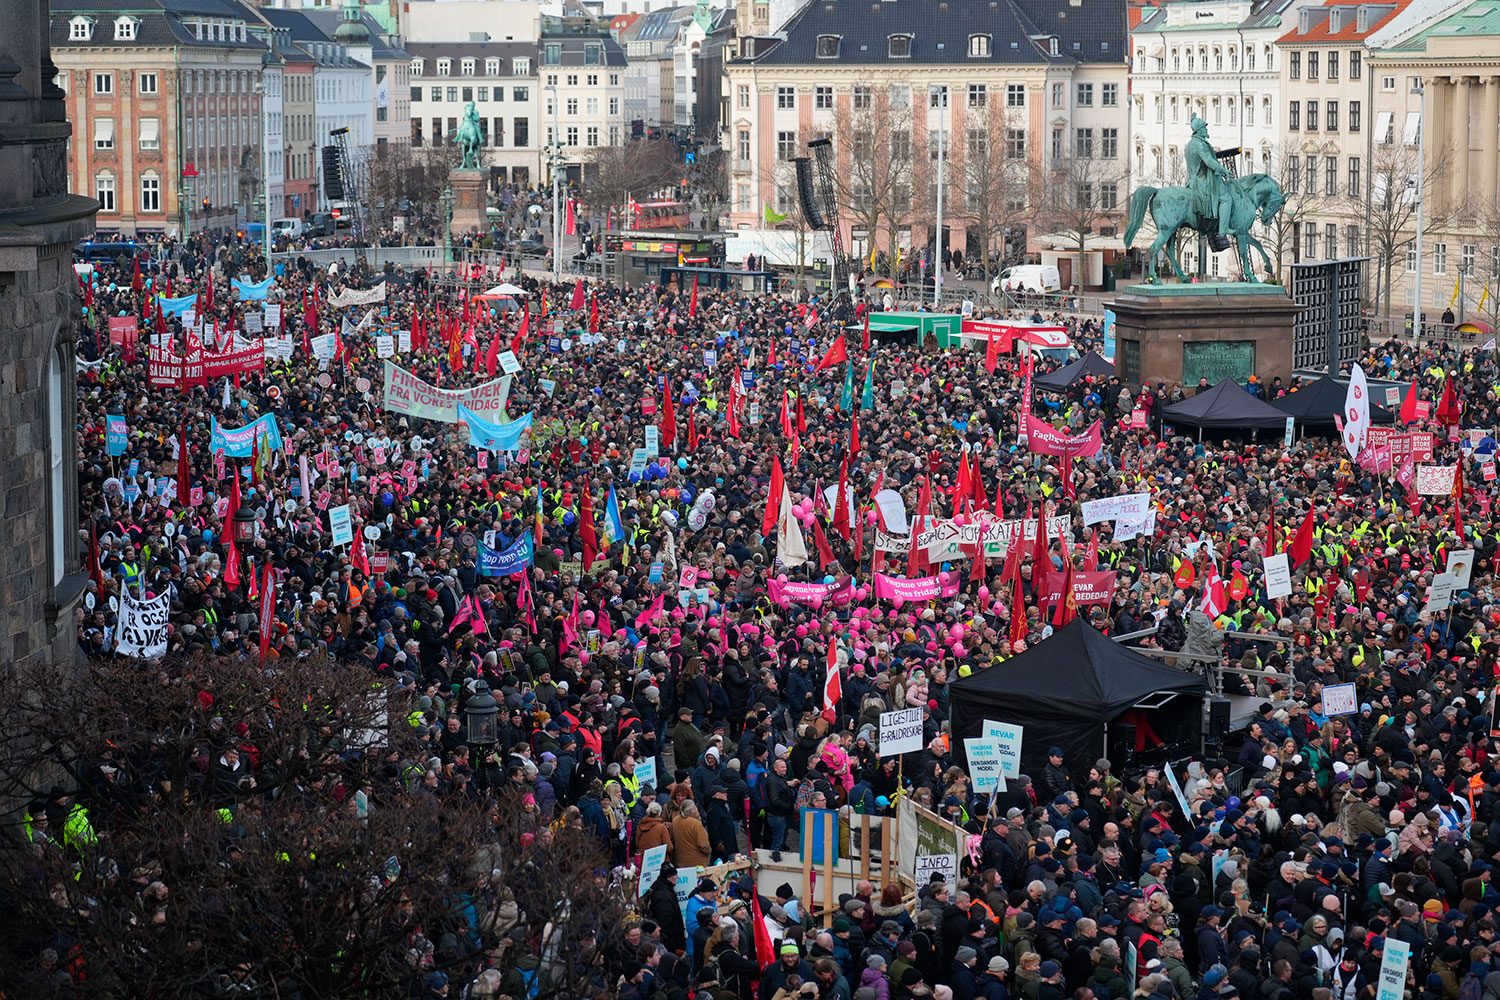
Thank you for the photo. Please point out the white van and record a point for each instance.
(291, 228)
(1028, 278)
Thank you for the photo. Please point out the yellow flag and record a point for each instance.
(1454, 300)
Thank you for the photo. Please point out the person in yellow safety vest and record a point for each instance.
(78, 830)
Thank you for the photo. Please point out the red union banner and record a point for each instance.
(1088, 587)
(1043, 439)
(251, 359)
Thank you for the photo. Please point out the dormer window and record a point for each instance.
(125, 29)
(445, 67)
(466, 66)
(80, 29)
(492, 66)
(828, 46)
(979, 45)
(416, 67)
(899, 46)
(1054, 49)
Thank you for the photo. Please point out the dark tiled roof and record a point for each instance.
(1091, 32)
(327, 21)
(573, 49)
(160, 22)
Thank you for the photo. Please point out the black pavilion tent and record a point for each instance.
(1225, 405)
(1316, 404)
(1067, 375)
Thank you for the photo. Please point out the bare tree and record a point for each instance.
(1391, 212)
(710, 186)
(1280, 238)
(1487, 268)
(1081, 194)
(220, 826)
(639, 168)
(996, 182)
(875, 189)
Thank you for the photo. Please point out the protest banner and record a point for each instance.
(1340, 699)
(922, 588)
(1044, 439)
(142, 627)
(357, 297)
(408, 394)
(341, 524)
(1129, 527)
(1435, 480)
(813, 593)
(1441, 594)
(490, 436)
(116, 435)
(929, 865)
(238, 443)
(1112, 508)
(503, 562)
(984, 763)
(1461, 568)
(900, 731)
(122, 330)
(1393, 965)
(1278, 576)
(651, 862)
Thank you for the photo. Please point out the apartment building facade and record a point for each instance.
(500, 78)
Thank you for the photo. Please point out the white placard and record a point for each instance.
(984, 763)
(341, 524)
(929, 864)
(1393, 965)
(645, 774)
(900, 732)
(1278, 576)
(1007, 737)
(1110, 508)
(1435, 480)
(385, 346)
(652, 858)
(508, 363)
(653, 441)
(142, 628)
(273, 316)
(1441, 595)
(1340, 699)
(403, 341)
(1126, 528)
(1461, 567)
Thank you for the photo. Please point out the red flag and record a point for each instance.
(991, 354)
(825, 551)
(1449, 410)
(1302, 544)
(765, 951)
(1039, 544)
(95, 573)
(771, 356)
(692, 433)
(1091, 561)
(773, 499)
(1018, 623)
(734, 400)
(693, 302)
(801, 418)
(668, 416)
(136, 282)
(586, 532)
(835, 354)
(1271, 534)
(267, 611)
(572, 219)
(184, 473)
(593, 314)
(357, 555)
(492, 356)
(833, 683)
(915, 560)
(1214, 602)
(1067, 608)
(963, 485)
(577, 302)
(854, 433)
(1409, 405)
(519, 340)
(865, 344)
(841, 501)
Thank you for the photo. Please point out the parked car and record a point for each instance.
(1028, 278)
(107, 252)
(290, 228)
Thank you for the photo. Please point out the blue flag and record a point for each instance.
(251, 289)
(116, 434)
(614, 528)
(504, 562)
(489, 436)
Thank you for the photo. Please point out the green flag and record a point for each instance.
(867, 397)
(773, 217)
(847, 399)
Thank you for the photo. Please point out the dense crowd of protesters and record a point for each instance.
(1306, 842)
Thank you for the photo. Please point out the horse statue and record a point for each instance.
(1171, 208)
(468, 136)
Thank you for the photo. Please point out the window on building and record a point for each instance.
(125, 29)
(1440, 258)
(1331, 122)
(1059, 96)
(416, 134)
(828, 46)
(823, 98)
(104, 190)
(444, 67)
(614, 106)
(1176, 61)
(1466, 260)
(520, 132)
(1355, 69)
(1015, 143)
(1331, 175)
(1351, 241)
(1411, 260)
(104, 133)
(1309, 240)
(593, 79)
(438, 136)
(416, 67)
(1109, 196)
(898, 46)
(900, 95)
(80, 29)
(1355, 189)
(1293, 174)
(979, 46)
(591, 136)
(492, 66)
(978, 143)
(453, 94)
(1354, 116)
(104, 83)
(1174, 111)
(484, 94)
(1015, 95)
(468, 94)
(901, 146)
(1085, 95)
(1109, 143)
(937, 97)
(1294, 67)
(742, 143)
(466, 66)
(786, 145)
(979, 95)
(1294, 115)
(742, 95)
(863, 98)
(591, 106)
(148, 133)
(786, 98)
(552, 54)
(416, 94)
(1312, 116)
(520, 66)
(1312, 65)
(520, 94)
(592, 53)
(150, 192)
(571, 106)
(1330, 241)
(1083, 143)
(1109, 95)
(1312, 175)
(571, 132)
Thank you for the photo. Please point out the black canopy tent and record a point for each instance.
(1225, 405)
(1067, 375)
(1068, 688)
(1317, 403)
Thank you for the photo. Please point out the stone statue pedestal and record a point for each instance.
(1217, 330)
(470, 202)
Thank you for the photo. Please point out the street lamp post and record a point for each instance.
(1416, 320)
(937, 246)
(447, 199)
(265, 180)
(556, 190)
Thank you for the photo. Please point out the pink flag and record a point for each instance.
(481, 627)
(465, 614)
(650, 614)
(606, 627)
(1214, 603)
(524, 601)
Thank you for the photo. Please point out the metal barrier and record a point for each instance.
(377, 257)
